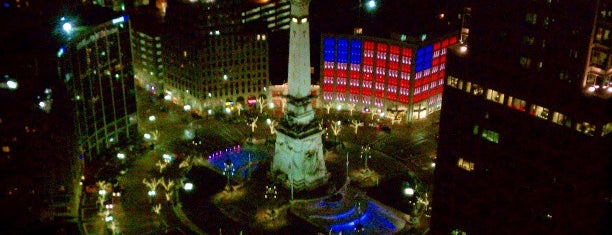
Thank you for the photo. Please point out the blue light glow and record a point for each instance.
(356, 51)
(328, 50)
(118, 20)
(373, 219)
(424, 58)
(342, 50)
(60, 52)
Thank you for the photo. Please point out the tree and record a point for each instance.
(253, 124)
(373, 113)
(239, 108)
(261, 101)
(272, 124)
(335, 126)
(161, 165)
(351, 108)
(356, 124)
(328, 106)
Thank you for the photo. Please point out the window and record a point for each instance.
(531, 18)
(525, 62)
(495, 96)
(539, 111)
(561, 119)
(466, 165)
(606, 129)
(490, 135)
(586, 128)
(528, 40)
(516, 103)
(476, 89)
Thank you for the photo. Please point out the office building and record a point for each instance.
(211, 59)
(383, 75)
(526, 120)
(95, 63)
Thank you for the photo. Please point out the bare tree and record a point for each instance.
(373, 113)
(151, 184)
(356, 124)
(335, 126)
(254, 124)
(156, 209)
(351, 108)
(161, 165)
(328, 106)
(272, 126)
(261, 101)
(239, 107)
(167, 184)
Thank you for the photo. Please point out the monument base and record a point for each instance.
(299, 162)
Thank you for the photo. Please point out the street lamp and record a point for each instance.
(188, 187)
(228, 171)
(365, 154)
(121, 156)
(152, 118)
(151, 194)
(67, 27)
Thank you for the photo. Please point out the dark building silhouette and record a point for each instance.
(526, 121)
(95, 63)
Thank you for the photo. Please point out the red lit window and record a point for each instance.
(328, 72)
(341, 73)
(403, 99)
(381, 63)
(381, 47)
(406, 68)
(340, 88)
(368, 45)
(328, 87)
(392, 81)
(404, 83)
(380, 78)
(452, 40)
(445, 43)
(435, 61)
(355, 75)
(368, 60)
(407, 52)
(391, 96)
(442, 59)
(436, 46)
(395, 49)
(354, 90)
(393, 65)
(366, 92)
(379, 94)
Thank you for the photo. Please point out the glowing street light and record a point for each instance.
(408, 191)
(371, 4)
(12, 84)
(187, 107)
(147, 136)
(152, 118)
(463, 48)
(121, 156)
(102, 192)
(67, 27)
(188, 187)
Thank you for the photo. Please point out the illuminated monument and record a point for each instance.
(298, 161)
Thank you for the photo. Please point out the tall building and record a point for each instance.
(526, 121)
(95, 63)
(211, 59)
(274, 13)
(382, 75)
(146, 46)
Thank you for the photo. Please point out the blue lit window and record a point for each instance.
(356, 52)
(423, 58)
(328, 50)
(342, 50)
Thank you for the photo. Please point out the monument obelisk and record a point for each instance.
(298, 160)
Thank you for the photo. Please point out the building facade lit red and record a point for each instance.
(380, 75)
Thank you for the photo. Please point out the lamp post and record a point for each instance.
(365, 154)
(271, 194)
(228, 171)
